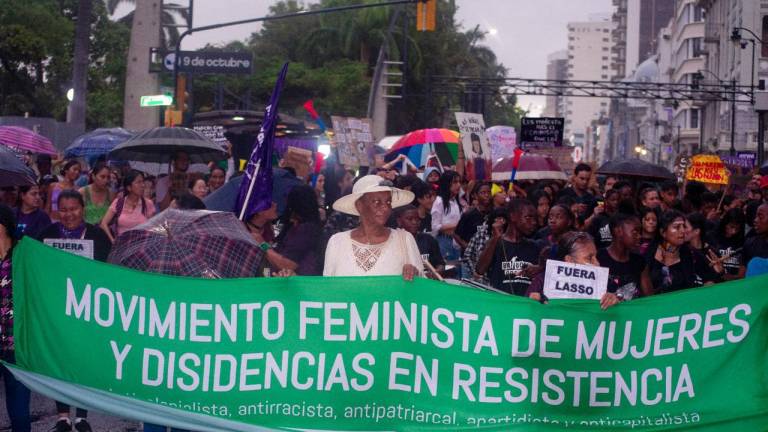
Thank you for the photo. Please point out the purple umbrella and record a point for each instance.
(22, 139)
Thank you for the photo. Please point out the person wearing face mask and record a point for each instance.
(673, 265)
(372, 249)
(97, 195)
(575, 247)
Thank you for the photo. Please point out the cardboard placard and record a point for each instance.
(354, 140)
(564, 280)
(708, 169)
(541, 132)
(474, 143)
(80, 247)
(299, 159)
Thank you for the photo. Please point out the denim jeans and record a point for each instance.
(149, 427)
(16, 402)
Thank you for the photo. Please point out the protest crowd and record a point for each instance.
(654, 237)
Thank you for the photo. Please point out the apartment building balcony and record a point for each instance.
(713, 31)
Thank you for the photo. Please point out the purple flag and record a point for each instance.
(256, 189)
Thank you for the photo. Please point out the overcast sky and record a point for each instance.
(526, 31)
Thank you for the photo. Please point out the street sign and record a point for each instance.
(541, 132)
(168, 61)
(214, 62)
(156, 100)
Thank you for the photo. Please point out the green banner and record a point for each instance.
(383, 354)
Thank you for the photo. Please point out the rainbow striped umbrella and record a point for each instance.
(20, 139)
(419, 144)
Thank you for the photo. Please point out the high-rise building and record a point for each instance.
(589, 58)
(634, 36)
(687, 35)
(727, 60)
(557, 69)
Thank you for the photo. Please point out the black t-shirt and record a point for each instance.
(429, 249)
(756, 246)
(600, 230)
(509, 260)
(101, 244)
(426, 224)
(587, 199)
(691, 271)
(469, 223)
(727, 246)
(623, 277)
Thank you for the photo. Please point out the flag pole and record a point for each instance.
(250, 189)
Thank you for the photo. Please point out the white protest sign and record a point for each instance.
(83, 248)
(564, 280)
(474, 142)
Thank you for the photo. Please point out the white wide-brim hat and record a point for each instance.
(368, 184)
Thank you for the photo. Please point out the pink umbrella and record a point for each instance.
(20, 139)
(532, 167)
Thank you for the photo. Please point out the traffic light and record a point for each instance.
(173, 117)
(426, 15)
(182, 96)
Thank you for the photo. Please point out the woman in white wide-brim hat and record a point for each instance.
(372, 249)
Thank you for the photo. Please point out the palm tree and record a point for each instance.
(80, 64)
(170, 16)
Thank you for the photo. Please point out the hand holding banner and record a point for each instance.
(379, 353)
(563, 280)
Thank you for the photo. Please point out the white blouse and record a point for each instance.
(440, 218)
(347, 257)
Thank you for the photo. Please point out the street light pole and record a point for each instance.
(733, 118)
(736, 37)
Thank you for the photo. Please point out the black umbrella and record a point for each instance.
(159, 145)
(13, 172)
(635, 168)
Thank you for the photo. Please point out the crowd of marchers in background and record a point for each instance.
(654, 237)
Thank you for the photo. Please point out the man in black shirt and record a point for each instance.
(579, 190)
(628, 277)
(509, 259)
(757, 245)
(473, 219)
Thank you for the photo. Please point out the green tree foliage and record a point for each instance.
(36, 49)
(333, 57)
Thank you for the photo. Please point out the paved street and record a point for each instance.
(44, 416)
